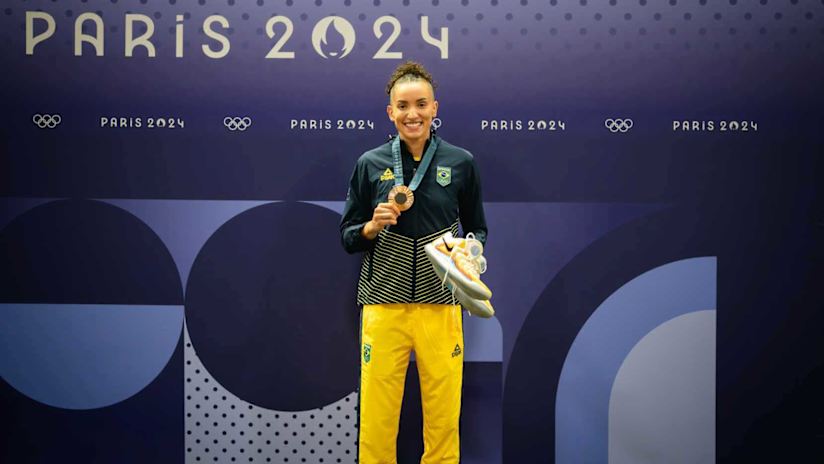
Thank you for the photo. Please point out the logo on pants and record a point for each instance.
(456, 351)
(367, 352)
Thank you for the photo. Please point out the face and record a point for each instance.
(412, 108)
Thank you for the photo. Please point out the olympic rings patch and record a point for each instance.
(237, 123)
(46, 121)
(618, 125)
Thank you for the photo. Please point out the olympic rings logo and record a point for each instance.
(618, 125)
(44, 121)
(237, 123)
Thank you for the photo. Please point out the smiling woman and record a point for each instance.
(412, 105)
(396, 205)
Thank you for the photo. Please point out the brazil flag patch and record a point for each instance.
(444, 176)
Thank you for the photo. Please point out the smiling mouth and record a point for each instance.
(413, 125)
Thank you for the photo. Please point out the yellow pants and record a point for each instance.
(388, 334)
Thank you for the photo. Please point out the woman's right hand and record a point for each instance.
(385, 214)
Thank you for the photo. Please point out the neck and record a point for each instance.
(416, 147)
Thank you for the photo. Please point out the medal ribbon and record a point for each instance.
(425, 161)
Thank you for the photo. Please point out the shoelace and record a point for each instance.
(470, 257)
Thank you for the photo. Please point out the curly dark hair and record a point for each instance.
(409, 72)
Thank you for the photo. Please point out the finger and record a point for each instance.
(391, 205)
(384, 222)
(384, 217)
(394, 211)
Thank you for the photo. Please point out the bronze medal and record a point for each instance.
(402, 197)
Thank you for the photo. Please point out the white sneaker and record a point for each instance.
(460, 261)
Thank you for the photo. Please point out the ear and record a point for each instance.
(435, 105)
(389, 113)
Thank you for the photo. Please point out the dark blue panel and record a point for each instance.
(270, 307)
(146, 428)
(771, 250)
(81, 251)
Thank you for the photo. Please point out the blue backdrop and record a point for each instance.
(172, 288)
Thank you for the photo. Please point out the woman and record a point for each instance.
(433, 186)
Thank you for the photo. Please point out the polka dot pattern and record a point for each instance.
(221, 427)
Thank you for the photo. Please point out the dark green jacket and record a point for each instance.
(395, 268)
